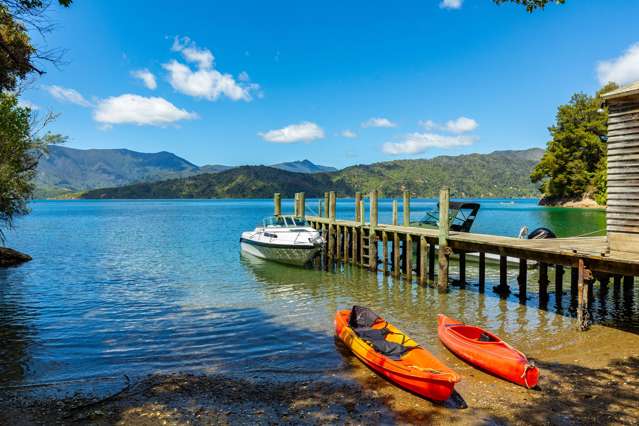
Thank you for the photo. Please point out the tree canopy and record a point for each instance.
(20, 143)
(574, 164)
(531, 5)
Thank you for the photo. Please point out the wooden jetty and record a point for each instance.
(421, 254)
(410, 252)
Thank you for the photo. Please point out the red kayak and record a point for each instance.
(487, 351)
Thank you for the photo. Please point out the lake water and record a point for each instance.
(136, 287)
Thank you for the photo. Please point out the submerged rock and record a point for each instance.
(11, 257)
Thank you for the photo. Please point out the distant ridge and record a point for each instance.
(498, 174)
(65, 171)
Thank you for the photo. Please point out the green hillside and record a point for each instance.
(499, 174)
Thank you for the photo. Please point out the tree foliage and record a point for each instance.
(574, 164)
(531, 5)
(20, 143)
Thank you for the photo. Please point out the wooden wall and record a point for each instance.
(623, 174)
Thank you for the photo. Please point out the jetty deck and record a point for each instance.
(422, 254)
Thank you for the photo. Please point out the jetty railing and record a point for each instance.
(357, 242)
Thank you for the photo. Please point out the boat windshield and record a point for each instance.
(284, 222)
(461, 216)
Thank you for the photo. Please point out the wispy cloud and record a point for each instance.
(451, 4)
(28, 104)
(205, 82)
(302, 132)
(378, 122)
(140, 110)
(64, 94)
(146, 77)
(417, 143)
(348, 134)
(621, 70)
(458, 125)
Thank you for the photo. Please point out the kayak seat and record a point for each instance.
(376, 337)
(362, 320)
(485, 338)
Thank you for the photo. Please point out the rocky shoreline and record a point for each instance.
(585, 202)
(11, 257)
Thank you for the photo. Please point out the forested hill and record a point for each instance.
(499, 174)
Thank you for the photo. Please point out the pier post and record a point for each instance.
(462, 269)
(385, 252)
(331, 225)
(406, 210)
(408, 254)
(277, 204)
(332, 201)
(423, 249)
(395, 213)
(358, 200)
(431, 261)
(396, 267)
(482, 271)
(559, 284)
(302, 209)
(444, 197)
(503, 289)
(362, 212)
(522, 279)
(354, 243)
(372, 235)
(582, 296)
(326, 203)
(543, 283)
(296, 203)
(338, 243)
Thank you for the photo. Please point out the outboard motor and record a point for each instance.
(541, 234)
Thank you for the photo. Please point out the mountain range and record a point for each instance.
(67, 170)
(498, 174)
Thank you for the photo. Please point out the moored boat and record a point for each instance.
(394, 355)
(284, 239)
(486, 351)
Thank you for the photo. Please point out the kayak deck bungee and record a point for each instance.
(394, 355)
(487, 351)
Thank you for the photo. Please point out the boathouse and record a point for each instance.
(622, 213)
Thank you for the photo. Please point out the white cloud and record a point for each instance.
(302, 132)
(64, 94)
(416, 143)
(458, 125)
(378, 122)
(147, 78)
(23, 103)
(205, 82)
(451, 4)
(621, 70)
(348, 134)
(140, 110)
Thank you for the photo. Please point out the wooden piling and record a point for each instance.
(406, 209)
(332, 207)
(326, 204)
(503, 289)
(423, 249)
(277, 204)
(395, 223)
(559, 283)
(396, 268)
(543, 283)
(338, 242)
(296, 204)
(408, 254)
(444, 197)
(384, 252)
(462, 268)
(582, 297)
(302, 208)
(354, 246)
(522, 279)
(358, 200)
(482, 272)
(372, 237)
(431, 261)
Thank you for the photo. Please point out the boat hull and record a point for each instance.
(406, 373)
(290, 255)
(495, 357)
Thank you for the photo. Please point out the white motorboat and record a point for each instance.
(284, 239)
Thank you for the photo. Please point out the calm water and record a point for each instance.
(134, 287)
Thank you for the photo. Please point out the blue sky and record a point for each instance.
(339, 83)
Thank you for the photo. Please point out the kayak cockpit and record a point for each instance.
(475, 334)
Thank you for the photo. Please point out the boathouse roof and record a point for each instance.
(631, 89)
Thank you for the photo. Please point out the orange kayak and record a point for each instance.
(394, 355)
(487, 352)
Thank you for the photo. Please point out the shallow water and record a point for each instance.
(137, 287)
